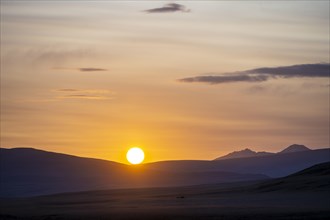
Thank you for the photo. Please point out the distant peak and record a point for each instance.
(295, 148)
(243, 153)
(246, 150)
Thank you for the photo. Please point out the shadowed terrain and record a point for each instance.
(31, 172)
(315, 178)
(304, 195)
(275, 165)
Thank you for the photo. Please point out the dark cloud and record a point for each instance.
(226, 79)
(171, 7)
(91, 69)
(85, 69)
(264, 74)
(302, 70)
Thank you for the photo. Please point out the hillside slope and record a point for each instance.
(277, 165)
(28, 172)
(315, 178)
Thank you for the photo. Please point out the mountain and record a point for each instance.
(244, 153)
(294, 148)
(275, 165)
(250, 153)
(30, 172)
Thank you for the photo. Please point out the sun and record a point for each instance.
(135, 155)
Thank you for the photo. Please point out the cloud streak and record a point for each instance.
(264, 74)
(83, 69)
(91, 69)
(83, 96)
(225, 79)
(171, 7)
(94, 94)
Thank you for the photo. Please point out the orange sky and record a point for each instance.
(94, 78)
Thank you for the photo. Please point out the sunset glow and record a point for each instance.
(165, 109)
(195, 79)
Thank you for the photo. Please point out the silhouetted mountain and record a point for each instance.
(244, 153)
(28, 172)
(276, 165)
(250, 153)
(294, 148)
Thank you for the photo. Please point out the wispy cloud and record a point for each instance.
(95, 94)
(91, 69)
(83, 69)
(171, 7)
(226, 79)
(56, 56)
(83, 96)
(264, 74)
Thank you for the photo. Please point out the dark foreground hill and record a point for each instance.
(267, 199)
(315, 178)
(29, 172)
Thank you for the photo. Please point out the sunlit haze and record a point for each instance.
(92, 78)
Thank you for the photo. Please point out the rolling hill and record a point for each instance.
(29, 172)
(315, 178)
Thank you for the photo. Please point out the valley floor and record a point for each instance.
(194, 202)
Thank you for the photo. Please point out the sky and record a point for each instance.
(180, 79)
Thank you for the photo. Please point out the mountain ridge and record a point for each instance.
(243, 153)
(294, 148)
(247, 152)
(29, 172)
(276, 165)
